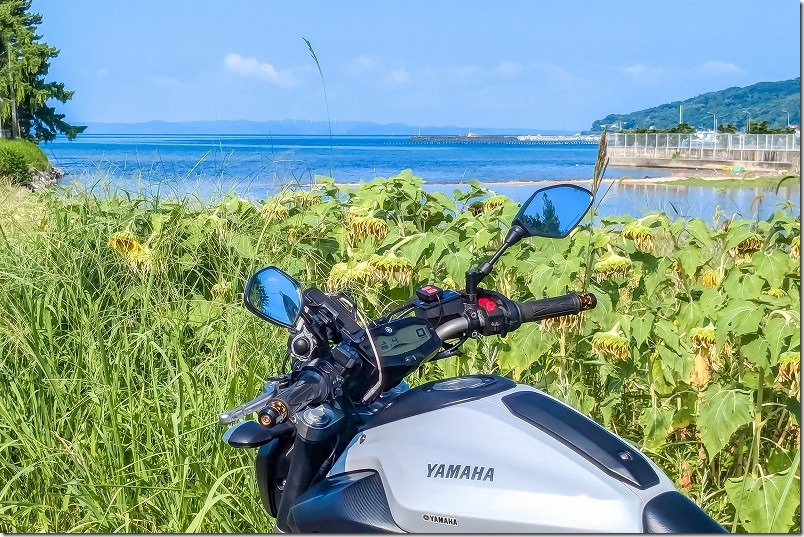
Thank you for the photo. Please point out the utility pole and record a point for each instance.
(788, 118)
(714, 117)
(680, 114)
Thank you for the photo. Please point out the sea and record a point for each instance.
(256, 166)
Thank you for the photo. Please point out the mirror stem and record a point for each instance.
(474, 277)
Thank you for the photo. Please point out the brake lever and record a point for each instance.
(270, 390)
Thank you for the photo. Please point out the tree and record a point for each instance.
(24, 65)
(682, 128)
(761, 127)
(728, 129)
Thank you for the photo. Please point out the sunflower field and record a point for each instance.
(122, 336)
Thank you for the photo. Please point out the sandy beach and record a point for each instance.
(715, 176)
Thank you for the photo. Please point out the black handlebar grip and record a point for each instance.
(310, 388)
(546, 308)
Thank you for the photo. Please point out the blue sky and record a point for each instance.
(529, 64)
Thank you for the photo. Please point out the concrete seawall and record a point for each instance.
(706, 150)
(697, 163)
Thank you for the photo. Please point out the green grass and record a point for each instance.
(32, 153)
(113, 374)
(754, 182)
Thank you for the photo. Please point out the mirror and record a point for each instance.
(274, 296)
(554, 211)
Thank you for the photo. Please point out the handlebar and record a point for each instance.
(530, 311)
(569, 304)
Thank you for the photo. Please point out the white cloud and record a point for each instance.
(250, 67)
(718, 68)
(508, 68)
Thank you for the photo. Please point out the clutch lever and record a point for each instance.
(270, 389)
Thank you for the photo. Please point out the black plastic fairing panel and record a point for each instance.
(584, 436)
(426, 399)
(264, 468)
(346, 503)
(672, 512)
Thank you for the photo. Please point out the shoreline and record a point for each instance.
(669, 180)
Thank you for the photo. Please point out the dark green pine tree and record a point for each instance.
(24, 90)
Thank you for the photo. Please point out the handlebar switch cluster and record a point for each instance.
(501, 314)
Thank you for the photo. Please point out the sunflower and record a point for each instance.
(641, 235)
(748, 246)
(138, 256)
(124, 243)
(789, 368)
(273, 211)
(703, 343)
(710, 278)
(775, 292)
(611, 266)
(611, 345)
(361, 227)
(391, 269)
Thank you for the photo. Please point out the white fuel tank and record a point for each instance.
(483, 454)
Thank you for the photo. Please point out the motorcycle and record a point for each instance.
(344, 445)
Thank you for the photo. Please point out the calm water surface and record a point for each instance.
(256, 166)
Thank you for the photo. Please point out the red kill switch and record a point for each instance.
(487, 304)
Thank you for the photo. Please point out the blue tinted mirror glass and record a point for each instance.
(554, 211)
(274, 295)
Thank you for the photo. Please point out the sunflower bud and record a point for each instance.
(795, 248)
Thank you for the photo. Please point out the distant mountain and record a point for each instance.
(294, 127)
(765, 101)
